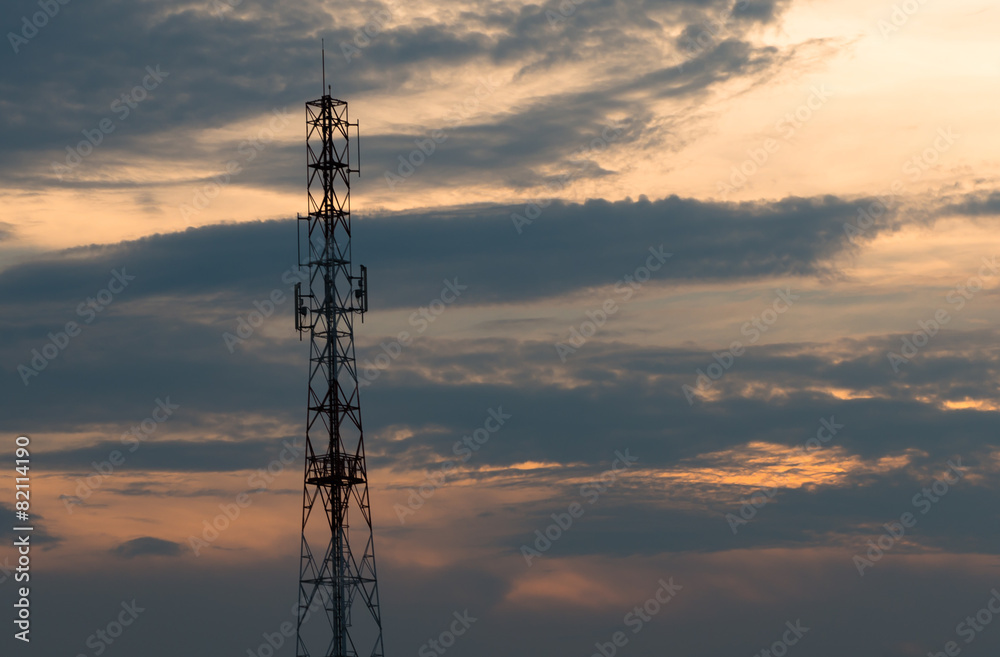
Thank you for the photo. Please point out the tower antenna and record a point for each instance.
(337, 556)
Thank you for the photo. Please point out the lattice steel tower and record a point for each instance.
(337, 567)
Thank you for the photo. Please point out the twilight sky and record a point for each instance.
(727, 273)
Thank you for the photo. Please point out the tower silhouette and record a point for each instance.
(337, 565)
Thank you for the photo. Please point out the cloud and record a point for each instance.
(974, 205)
(566, 247)
(162, 336)
(203, 455)
(147, 546)
(752, 592)
(41, 535)
(254, 46)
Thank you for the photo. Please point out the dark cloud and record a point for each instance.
(904, 608)
(147, 546)
(90, 56)
(176, 456)
(974, 205)
(643, 518)
(560, 138)
(566, 247)
(763, 11)
(40, 535)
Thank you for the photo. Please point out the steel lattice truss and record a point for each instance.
(337, 565)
